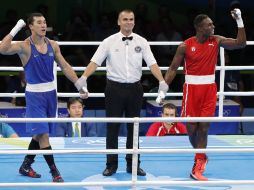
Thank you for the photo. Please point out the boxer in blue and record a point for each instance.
(37, 54)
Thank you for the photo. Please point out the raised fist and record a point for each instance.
(236, 14)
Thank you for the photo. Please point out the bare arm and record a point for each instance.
(81, 83)
(230, 43)
(156, 72)
(177, 60)
(8, 48)
(65, 66)
(90, 69)
(240, 41)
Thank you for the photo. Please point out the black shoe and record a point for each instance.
(109, 171)
(26, 169)
(56, 176)
(140, 172)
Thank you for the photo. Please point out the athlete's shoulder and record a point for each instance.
(25, 45)
(214, 38)
(54, 44)
(191, 39)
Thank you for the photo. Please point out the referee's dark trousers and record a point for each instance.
(121, 99)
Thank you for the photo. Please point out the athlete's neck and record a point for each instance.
(38, 40)
(201, 38)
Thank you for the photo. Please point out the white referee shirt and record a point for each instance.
(124, 58)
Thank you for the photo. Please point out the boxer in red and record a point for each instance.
(199, 55)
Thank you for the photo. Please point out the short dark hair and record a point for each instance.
(198, 19)
(30, 18)
(73, 100)
(169, 106)
(125, 10)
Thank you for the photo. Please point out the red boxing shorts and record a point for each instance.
(199, 100)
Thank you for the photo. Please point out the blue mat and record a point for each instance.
(88, 167)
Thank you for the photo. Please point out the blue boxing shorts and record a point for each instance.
(40, 105)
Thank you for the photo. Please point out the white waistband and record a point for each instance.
(41, 87)
(199, 79)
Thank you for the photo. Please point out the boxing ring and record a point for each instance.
(167, 160)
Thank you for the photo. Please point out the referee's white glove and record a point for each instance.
(20, 24)
(236, 14)
(162, 91)
(81, 85)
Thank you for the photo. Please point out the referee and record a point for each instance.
(124, 52)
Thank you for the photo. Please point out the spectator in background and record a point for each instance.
(187, 29)
(106, 25)
(155, 26)
(78, 28)
(232, 82)
(167, 128)
(168, 33)
(16, 84)
(141, 20)
(75, 107)
(44, 10)
(11, 17)
(6, 131)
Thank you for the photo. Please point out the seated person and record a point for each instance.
(6, 131)
(75, 109)
(167, 128)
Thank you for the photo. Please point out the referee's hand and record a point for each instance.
(83, 93)
(162, 91)
(81, 86)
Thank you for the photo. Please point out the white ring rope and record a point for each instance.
(101, 95)
(131, 151)
(164, 43)
(71, 43)
(97, 95)
(130, 183)
(7, 68)
(129, 120)
(80, 43)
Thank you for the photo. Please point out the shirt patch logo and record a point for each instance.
(211, 44)
(51, 54)
(193, 48)
(137, 49)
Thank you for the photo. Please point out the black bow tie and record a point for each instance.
(127, 38)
